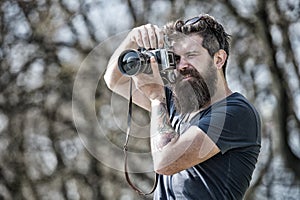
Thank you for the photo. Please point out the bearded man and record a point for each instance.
(205, 139)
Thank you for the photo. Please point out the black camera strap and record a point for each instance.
(125, 149)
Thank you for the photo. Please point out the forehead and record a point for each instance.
(187, 43)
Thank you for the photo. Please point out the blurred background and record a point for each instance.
(62, 130)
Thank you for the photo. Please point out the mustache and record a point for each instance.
(191, 72)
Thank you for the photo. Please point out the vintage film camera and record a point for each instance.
(132, 62)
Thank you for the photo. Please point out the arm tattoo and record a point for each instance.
(162, 131)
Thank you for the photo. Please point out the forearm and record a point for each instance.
(162, 133)
(113, 77)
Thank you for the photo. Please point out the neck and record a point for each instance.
(221, 95)
(222, 90)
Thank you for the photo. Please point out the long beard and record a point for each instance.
(195, 93)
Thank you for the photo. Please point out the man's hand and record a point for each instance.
(147, 36)
(151, 85)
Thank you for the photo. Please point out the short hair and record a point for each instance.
(212, 32)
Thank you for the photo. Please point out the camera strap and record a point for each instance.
(125, 149)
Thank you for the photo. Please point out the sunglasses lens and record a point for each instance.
(192, 21)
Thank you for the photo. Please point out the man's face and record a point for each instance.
(196, 75)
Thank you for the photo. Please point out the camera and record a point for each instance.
(132, 62)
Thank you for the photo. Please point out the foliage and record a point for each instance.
(62, 130)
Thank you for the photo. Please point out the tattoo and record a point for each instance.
(162, 131)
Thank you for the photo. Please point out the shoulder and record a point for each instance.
(242, 109)
(235, 106)
(231, 122)
(238, 113)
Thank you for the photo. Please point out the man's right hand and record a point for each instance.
(147, 36)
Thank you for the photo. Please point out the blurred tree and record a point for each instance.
(61, 130)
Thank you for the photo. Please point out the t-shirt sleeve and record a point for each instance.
(231, 124)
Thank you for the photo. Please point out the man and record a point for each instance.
(205, 139)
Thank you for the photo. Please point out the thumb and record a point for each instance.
(154, 66)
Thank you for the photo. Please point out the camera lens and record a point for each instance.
(129, 62)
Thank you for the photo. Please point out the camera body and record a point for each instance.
(132, 62)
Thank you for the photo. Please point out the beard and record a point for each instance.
(193, 94)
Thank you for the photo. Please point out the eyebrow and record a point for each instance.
(192, 52)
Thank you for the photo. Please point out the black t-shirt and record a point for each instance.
(234, 125)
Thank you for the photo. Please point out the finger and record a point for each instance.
(145, 37)
(137, 36)
(154, 66)
(159, 36)
(152, 36)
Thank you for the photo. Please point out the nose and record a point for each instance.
(182, 64)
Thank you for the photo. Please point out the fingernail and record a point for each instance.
(152, 59)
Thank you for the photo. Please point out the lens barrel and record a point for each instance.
(132, 62)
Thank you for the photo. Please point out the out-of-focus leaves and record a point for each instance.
(62, 130)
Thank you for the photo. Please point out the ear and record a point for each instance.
(220, 58)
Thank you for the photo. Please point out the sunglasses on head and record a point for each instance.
(192, 21)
